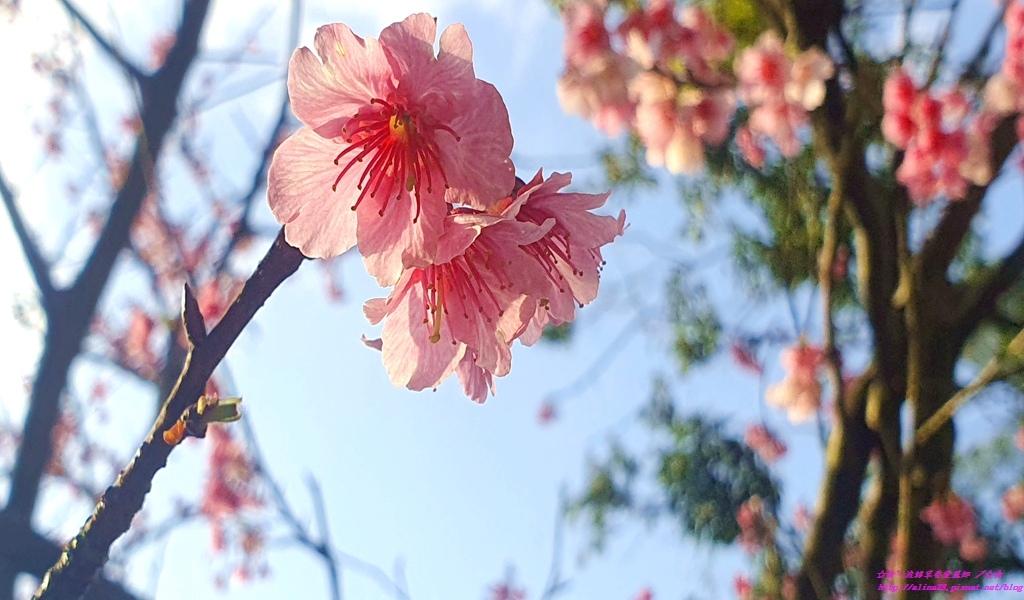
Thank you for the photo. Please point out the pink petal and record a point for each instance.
(456, 50)
(393, 242)
(477, 165)
(300, 196)
(475, 381)
(410, 358)
(410, 44)
(376, 344)
(376, 309)
(354, 70)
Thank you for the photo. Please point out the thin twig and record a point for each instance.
(103, 43)
(244, 228)
(992, 371)
(38, 265)
(555, 584)
(325, 538)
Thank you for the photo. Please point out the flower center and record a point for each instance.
(396, 151)
(461, 278)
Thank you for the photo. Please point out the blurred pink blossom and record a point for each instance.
(799, 392)
(952, 519)
(1013, 503)
(779, 91)
(762, 441)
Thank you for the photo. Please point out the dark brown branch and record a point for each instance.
(38, 265)
(70, 318)
(940, 48)
(87, 552)
(875, 216)
(980, 301)
(114, 54)
(30, 552)
(973, 67)
(72, 311)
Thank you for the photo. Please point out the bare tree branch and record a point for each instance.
(38, 265)
(941, 246)
(102, 42)
(260, 176)
(30, 552)
(324, 532)
(85, 555)
(71, 312)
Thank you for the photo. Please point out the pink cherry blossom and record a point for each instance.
(586, 37)
(803, 361)
(755, 528)
(674, 128)
(504, 591)
(945, 142)
(1013, 503)
(752, 151)
(644, 594)
(230, 483)
(762, 441)
(763, 70)
(392, 134)
(645, 30)
(801, 400)
(1018, 438)
(743, 355)
(569, 253)
(899, 92)
(470, 302)
(808, 73)
(547, 413)
(159, 47)
(952, 519)
(598, 91)
(135, 348)
(501, 274)
(1013, 61)
(974, 548)
(802, 518)
(741, 584)
(800, 391)
(215, 296)
(655, 37)
(779, 91)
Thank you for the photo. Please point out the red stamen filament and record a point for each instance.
(401, 154)
(460, 279)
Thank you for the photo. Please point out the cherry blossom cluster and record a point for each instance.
(1013, 503)
(231, 491)
(954, 523)
(406, 155)
(779, 91)
(756, 525)
(761, 440)
(504, 591)
(799, 393)
(664, 74)
(1003, 91)
(945, 142)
